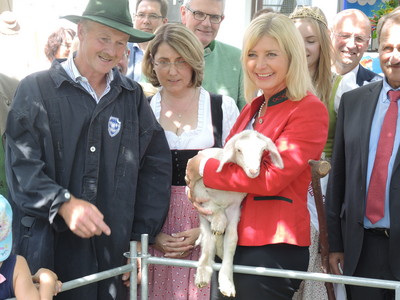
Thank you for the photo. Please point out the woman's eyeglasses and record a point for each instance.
(163, 64)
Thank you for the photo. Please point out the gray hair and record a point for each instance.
(354, 14)
(393, 16)
(187, 2)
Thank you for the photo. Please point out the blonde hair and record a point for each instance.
(183, 41)
(282, 29)
(322, 78)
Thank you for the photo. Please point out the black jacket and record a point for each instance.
(113, 154)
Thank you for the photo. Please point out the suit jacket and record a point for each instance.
(346, 193)
(365, 75)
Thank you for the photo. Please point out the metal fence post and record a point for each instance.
(133, 278)
(144, 289)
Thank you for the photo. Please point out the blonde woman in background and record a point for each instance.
(312, 24)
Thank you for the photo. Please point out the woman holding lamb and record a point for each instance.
(274, 227)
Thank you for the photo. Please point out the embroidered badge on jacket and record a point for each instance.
(114, 126)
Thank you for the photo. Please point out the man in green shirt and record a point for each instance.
(223, 70)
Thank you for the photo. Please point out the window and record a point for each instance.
(281, 6)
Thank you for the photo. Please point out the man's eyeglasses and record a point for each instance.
(201, 16)
(151, 17)
(358, 39)
(163, 64)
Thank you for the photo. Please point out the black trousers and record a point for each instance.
(255, 287)
(373, 263)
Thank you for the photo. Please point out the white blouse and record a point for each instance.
(201, 137)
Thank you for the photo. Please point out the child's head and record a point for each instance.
(5, 229)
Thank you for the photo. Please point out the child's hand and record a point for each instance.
(49, 285)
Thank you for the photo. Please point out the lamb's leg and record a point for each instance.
(225, 277)
(204, 268)
(219, 221)
(219, 246)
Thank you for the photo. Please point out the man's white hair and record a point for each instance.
(186, 2)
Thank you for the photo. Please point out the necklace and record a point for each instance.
(259, 113)
(186, 109)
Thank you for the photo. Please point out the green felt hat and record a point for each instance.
(114, 14)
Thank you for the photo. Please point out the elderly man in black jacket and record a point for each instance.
(88, 165)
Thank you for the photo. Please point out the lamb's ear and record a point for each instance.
(276, 158)
(228, 152)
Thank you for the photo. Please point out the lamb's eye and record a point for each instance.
(238, 150)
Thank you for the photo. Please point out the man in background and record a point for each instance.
(8, 86)
(150, 14)
(350, 34)
(363, 191)
(223, 72)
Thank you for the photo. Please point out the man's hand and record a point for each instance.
(126, 276)
(336, 262)
(83, 218)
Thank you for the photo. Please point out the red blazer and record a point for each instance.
(275, 209)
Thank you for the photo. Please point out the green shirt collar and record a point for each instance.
(210, 48)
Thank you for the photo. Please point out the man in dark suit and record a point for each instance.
(360, 244)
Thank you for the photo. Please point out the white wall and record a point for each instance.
(238, 15)
(237, 18)
(330, 8)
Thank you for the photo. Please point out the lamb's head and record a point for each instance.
(246, 150)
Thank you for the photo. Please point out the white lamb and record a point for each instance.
(219, 230)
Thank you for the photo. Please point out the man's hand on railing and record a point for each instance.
(126, 276)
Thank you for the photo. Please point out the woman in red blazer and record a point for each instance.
(274, 229)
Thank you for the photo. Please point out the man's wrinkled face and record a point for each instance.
(101, 47)
(389, 53)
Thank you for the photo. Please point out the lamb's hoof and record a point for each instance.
(201, 284)
(218, 232)
(218, 224)
(228, 291)
(203, 276)
(226, 286)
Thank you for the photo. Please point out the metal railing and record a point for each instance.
(146, 259)
(360, 281)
